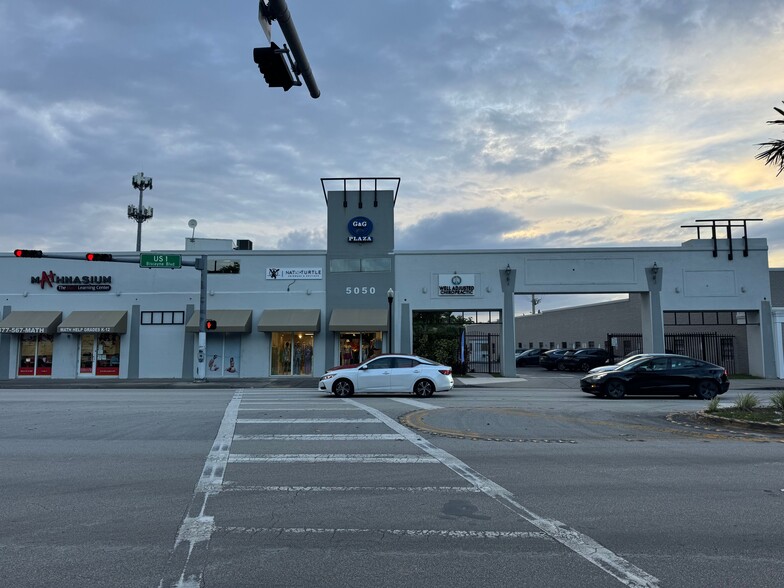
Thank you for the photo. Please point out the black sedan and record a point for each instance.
(583, 359)
(549, 359)
(662, 374)
(529, 357)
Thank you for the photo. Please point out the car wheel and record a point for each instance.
(707, 389)
(615, 389)
(424, 388)
(561, 366)
(585, 366)
(343, 388)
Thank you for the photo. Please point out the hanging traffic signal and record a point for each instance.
(272, 64)
(210, 324)
(98, 257)
(28, 253)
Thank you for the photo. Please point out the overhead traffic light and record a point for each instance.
(28, 253)
(210, 324)
(98, 257)
(272, 63)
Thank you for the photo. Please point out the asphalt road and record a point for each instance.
(530, 486)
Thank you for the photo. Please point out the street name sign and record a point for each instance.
(164, 260)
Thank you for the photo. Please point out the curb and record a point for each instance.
(715, 419)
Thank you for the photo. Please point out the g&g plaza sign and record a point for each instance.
(360, 229)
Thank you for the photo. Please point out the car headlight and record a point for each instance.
(327, 377)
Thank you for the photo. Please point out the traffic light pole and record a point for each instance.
(200, 263)
(201, 364)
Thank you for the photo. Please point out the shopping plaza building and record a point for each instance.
(295, 313)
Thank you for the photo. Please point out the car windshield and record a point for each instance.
(631, 364)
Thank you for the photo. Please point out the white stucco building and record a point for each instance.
(284, 313)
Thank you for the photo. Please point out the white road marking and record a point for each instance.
(301, 421)
(276, 409)
(231, 487)
(400, 532)
(197, 530)
(315, 437)
(332, 457)
(416, 403)
(581, 544)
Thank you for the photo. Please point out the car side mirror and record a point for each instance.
(363, 367)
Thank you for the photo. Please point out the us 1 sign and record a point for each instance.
(163, 260)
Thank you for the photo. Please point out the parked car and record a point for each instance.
(529, 357)
(549, 359)
(624, 361)
(660, 374)
(583, 359)
(389, 373)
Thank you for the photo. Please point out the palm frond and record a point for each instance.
(774, 154)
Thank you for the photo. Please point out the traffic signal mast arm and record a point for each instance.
(278, 10)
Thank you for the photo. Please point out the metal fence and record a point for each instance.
(483, 353)
(716, 348)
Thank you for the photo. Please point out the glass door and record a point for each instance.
(99, 355)
(87, 355)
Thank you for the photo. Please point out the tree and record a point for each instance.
(437, 337)
(774, 152)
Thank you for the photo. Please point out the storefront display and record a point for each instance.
(35, 355)
(292, 354)
(357, 347)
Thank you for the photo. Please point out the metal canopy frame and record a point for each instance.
(724, 223)
(360, 180)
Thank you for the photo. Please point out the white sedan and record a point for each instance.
(389, 373)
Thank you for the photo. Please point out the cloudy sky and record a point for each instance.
(511, 123)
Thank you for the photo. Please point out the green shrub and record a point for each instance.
(746, 402)
(777, 400)
(713, 405)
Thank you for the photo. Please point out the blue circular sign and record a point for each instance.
(360, 227)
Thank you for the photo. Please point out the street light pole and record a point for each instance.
(140, 213)
(390, 298)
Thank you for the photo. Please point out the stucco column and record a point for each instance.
(652, 316)
(404, 341)
(778, 341)
(508, 277)
(5, 349)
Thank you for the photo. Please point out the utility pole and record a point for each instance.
(534, 302)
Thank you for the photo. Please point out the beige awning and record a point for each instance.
(31, 321)
(95, 321)
(358, 319)
(229, 321)
(305, 319)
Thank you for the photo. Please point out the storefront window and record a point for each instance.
(223, 355)
(99, 355)
(357, 347)
(35, 355)
(292, 354)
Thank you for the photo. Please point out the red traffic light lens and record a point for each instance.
(98, 257)
(28, 253)
(210, 324)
